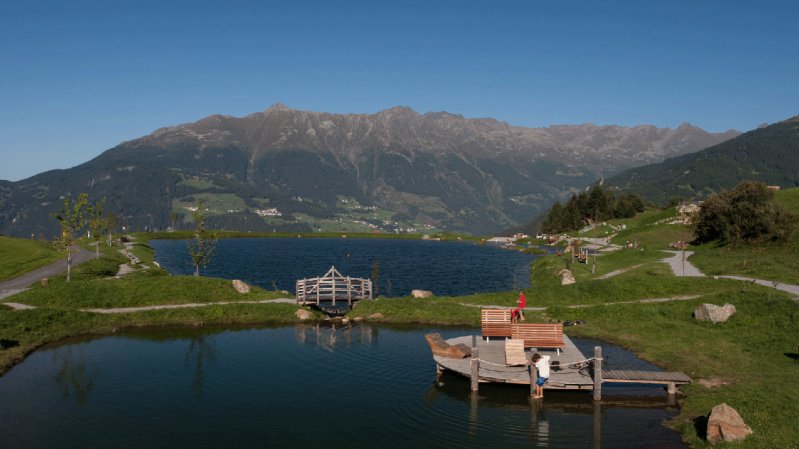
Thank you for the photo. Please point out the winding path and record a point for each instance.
(680, 265)
(21, 283)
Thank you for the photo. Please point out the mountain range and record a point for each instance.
(769, 154)
(394, 171)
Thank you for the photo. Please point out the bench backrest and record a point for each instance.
(539, 335)
(495, 322)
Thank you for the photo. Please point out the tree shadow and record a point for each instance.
(791, 355)
(700, 425)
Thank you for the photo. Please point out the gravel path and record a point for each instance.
(21, 283)
(682, 269)
(618, 272)
(187, 306)
(790, 288)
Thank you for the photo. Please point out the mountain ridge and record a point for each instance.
(768, 154)
(426, 172)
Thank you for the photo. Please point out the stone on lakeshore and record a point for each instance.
(444, 349)
(422, 294)
(357, 319)
(566, 277)
(725, 424)
(240, 286)
(714, 313)
(375, 316)
(303, 314)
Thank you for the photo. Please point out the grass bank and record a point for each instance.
(19, 256)
(775, 261)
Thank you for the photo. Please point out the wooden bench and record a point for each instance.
(495, 322)
(539, 335)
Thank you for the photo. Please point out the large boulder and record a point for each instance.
(422, 294)
(714, 313)
(444, 349)
(375, 316)
(566, 277)
(303, 314)
(725, 424)
(241, 286)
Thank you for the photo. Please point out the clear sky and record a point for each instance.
(78, 77)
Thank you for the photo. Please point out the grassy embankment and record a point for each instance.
(776, 261)
(57, 315)
(19, 256)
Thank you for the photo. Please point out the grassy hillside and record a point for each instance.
(18, 256)
(767, 154)
(778, 261)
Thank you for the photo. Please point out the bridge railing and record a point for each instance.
(332, 289)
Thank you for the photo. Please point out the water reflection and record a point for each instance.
(329, 335)
(199, 353)
(72, 376)
(514, 398)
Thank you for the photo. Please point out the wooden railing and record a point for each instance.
(333, 287)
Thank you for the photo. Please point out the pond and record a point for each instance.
(443, 267)
(304, 386)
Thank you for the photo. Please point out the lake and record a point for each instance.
(443, 267)
(356, 386)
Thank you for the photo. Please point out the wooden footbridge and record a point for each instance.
(331, 288)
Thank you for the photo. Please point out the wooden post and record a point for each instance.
(597, 373)
(318, 292)
(671, 388)
(531, 369)
(474, 364)
(349, 291)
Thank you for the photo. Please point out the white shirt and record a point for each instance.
(542, 365)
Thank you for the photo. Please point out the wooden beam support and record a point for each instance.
(597, 373)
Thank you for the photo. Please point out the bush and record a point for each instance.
(746, 214)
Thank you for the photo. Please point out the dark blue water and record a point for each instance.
(445, 268)
(300, 387)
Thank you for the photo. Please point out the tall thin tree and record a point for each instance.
(72, 218)
(98, 224)
(201, 248)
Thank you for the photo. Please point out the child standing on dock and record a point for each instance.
(542, 366)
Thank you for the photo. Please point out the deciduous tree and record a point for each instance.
(201, 248)
(72, 218)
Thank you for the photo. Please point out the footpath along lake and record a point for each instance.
(306, 386)
(443, 267)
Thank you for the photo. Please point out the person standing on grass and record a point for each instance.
(542, 366)
(522, 304)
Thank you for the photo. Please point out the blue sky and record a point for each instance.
(77, 78)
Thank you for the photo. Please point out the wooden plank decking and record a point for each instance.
(645, 377)
(494, 369)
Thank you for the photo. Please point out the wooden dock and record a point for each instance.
(576, 371)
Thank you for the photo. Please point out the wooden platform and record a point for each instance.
(494, 369)
(645, 377)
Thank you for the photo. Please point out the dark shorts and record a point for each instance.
(541, 381)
